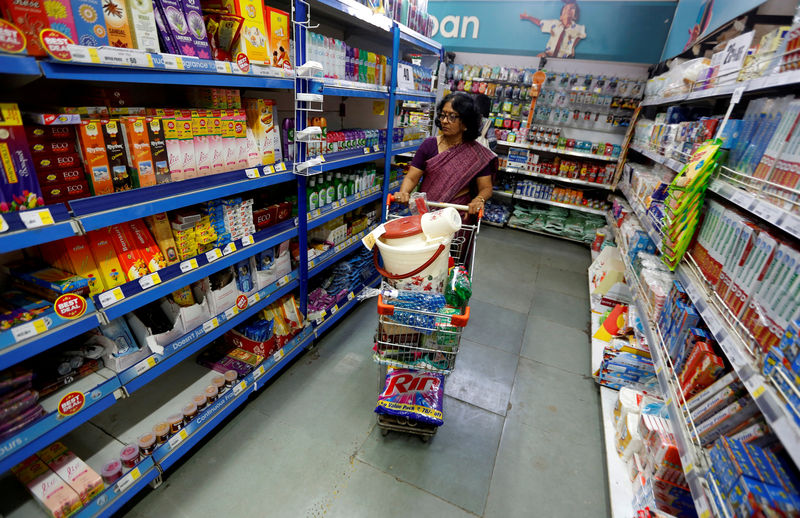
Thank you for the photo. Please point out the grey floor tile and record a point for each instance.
(563, 281)
(557, 402)
(456, 465)
(561, 308)
(483, 377)
(366, 492)
(557, 345)
(501, 289)
(495, 326)
(565, 255)
(539, 474)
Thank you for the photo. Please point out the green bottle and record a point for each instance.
(351, 184)
(321, 191)
(331, 194)
(313, 195)
(339, 187)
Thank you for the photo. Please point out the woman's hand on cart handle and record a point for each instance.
(476, 206)
(399, 197)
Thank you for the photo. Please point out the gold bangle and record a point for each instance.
(481, 198)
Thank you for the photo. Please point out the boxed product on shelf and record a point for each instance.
(74, 254)
(272, 264)
(278, 35)
(118, 24)
(220, 290)
(254, 37)
(48, 489)
(72, 470)
(19, 189)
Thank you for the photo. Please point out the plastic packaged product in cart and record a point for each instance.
(416, 395)
(459, 288)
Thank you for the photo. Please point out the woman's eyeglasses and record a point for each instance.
(450, 117)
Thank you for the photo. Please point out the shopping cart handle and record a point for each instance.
(460, 320)
(389, 199)
(384, 309)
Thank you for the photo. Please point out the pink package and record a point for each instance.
(52, 493)
(216, 144)
(72, 470)
(413, 394)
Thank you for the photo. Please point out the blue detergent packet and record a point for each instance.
(416, 395)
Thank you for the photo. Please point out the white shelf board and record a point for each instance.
(620, 488)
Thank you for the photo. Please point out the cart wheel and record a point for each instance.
(384, 432)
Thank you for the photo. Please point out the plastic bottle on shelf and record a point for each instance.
(313, 194)
(330, 195)
(322, 192)
(337, 182)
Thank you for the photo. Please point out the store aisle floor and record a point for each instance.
(522, 433)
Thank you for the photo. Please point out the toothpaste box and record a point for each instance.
(95, 157)
(90, 23)
(19, 186)
(72, 470)
(48, 489)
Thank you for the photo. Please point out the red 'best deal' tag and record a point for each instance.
(70, 306)
(56, 43)
(243, 62)
(11, 38)
(71, 403)
(241, 302)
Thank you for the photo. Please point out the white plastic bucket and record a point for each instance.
(409, 256)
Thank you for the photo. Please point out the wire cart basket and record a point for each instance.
(409, 336)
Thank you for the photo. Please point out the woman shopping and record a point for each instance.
(454, 168)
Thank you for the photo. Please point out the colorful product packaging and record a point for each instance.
(50, 492)
(158, 149)
(90, 23)
(416, 395)
(160, 228)
(172, 144)
(253, 40)
(128, 255)
(80, 477)
(137, 142)
(82, 263)
(95, 157)
(261, 120)
(196, 28)
(105, 257)
(143, 25)
(183, 120)
(19, 186)
(201, 139)
(31, 18)
(146, 246)
(118, 24)
(117, 155)
(59, 14)
(278, 27)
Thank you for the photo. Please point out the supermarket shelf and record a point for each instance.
(409, 146)
(753, 85)
(115, 496)
(620, 489)
(102, 211)
(557, 151)
(126, 74)
(320, 216)
(558, 178)
(19, 65)
(179, 444)
(503, 194)
(579, 208)
(417, 39)
(132, 295)
(350, 12)
(19, 236)
(644, 220)
(332, 315)
(492, 223)
(760, 388)
(410, 95)
(559, 236)
(98, 391)
(353, 157)
(761, 208)
(661, 159)
(347, 89)
(25, 349)
(146, 370)
(319, 263)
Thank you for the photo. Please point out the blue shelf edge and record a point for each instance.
(344, 309)
(180, 349)
(342, 209)
(352, 159)
(91, 72)
(114, 497)
(136, 297)
(37, 344)
(409, 96)
(423, 42)
(35, 236)
(335, 256)
(19, 65)
(101, 211)
(406, 149)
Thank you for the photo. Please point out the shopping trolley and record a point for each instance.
(413, 338)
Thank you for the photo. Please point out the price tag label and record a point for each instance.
(742, 199)
(223, 67)
(178, 438)
(213, 255)
(268, 170)
(189, 265)
(36, 218)
(172, 62)
(713, 323)
(336, 205)
(369, 239)
(126, 481)
(351, 296)
(687, 468)
(280, 167)
(252, 299)
(259, 372)
(229, 248)
(252, 172)
(208, 325)
(29, 329)
(239, 387)
(737, 95)
(334, 309)
(768, 211)
(376, 148)
(758, 391)
(145, 365)
(247, 240)
(366, 151)
(149, 281)
(283, 280)
(791, 224)
(110, 297)
(231, 312)
(278, 356)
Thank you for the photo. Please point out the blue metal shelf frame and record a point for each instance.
(18, 236)
(337, 314)
(179, 352)
(418, 40)
(19, 65)
(102, 211)
(421, 96)
(344, 209)
(387, 166)
(23, 350)
(351, 158)
(319, 87)
(406, 149)
(88, 72)
(300, 13)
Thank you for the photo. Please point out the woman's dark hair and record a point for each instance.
(464, 106)
(483, 104)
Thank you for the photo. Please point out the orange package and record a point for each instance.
(105, 257)
(162, 232)
(146, 245)
(95, 158)
(128, 255)
(82, 263)
(278, 28)
(137, 140)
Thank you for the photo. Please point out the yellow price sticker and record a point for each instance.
(40, 326)
(179, 62)
(135, 473)
(93, 55)
(184, 434)
(151, 361)
(758, 391)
